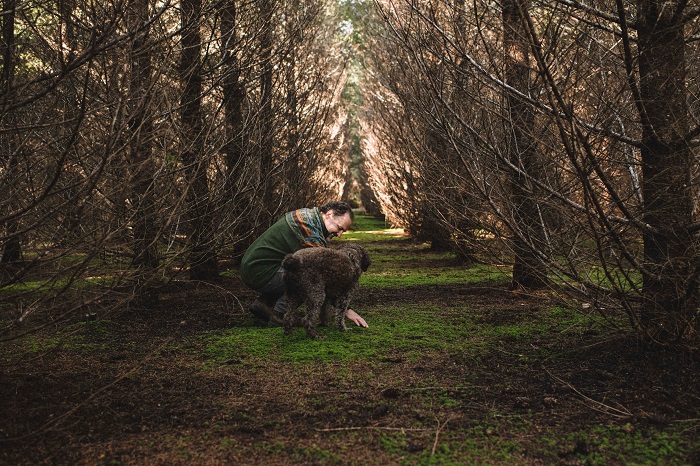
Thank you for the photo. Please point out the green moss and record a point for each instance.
(368, 223)
(609, 444)
(371, 229)
(81, 337)
(418, 276)
(470, 446)
(410, 330)
(395, 443)
(316, 455)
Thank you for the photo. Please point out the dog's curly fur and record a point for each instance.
(319, 277)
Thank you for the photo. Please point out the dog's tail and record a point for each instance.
(291, 262)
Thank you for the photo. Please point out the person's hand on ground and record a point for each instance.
(355, 317)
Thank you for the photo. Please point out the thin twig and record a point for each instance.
(437, 434)
(596, 405)
(339, 429)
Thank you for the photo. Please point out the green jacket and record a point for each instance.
(295, 230)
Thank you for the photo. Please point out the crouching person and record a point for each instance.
(261, 267)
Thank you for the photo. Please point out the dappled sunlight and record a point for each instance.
(388, 231)
(375, 235)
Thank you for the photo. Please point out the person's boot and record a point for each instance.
(264, 311)
(261, 310)
(276, 319)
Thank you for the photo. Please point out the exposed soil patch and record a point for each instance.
(140, 395)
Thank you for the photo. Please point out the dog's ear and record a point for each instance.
(353, 255)
(359, 255)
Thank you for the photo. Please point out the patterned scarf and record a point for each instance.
(308, 226)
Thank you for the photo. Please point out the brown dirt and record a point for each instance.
(143, 398)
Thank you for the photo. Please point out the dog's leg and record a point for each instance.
(341, 305)
(290, 311)
(313, 311)
(326, 311)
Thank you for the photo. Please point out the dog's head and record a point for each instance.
(357, 254)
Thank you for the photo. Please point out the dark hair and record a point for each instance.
(338, 207)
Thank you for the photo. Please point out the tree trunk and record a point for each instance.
(528, 272)
(143, 215)
(203, 259)
(233, 90)
(266, 116)
(670, 283)
(70, 227)
(233, 95)
(12, 248)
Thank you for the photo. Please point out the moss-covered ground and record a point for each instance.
(454, 369)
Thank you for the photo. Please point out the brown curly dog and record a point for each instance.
(322, 276)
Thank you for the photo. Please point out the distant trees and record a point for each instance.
(522, 149)
(140, 139)
(566, 134)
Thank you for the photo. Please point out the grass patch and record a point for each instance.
(609, 444)
(258, 344)
(413, 331)
(390, 332)
(467, 446)
(365, 222)
(366, 228)
(81, 337)
(419, 276)
(506, 442)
